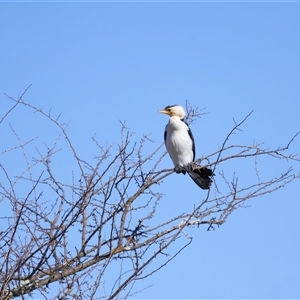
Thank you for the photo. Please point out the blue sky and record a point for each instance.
(98, 63)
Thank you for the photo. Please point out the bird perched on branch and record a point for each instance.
(180, 145)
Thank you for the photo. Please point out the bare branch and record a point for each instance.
(104, 217)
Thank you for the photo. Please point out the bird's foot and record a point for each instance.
(180, 169)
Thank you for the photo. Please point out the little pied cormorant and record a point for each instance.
(180, 145)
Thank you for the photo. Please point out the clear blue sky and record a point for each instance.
(98, 63)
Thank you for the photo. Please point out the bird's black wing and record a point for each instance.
(192, 138)
(165, 134)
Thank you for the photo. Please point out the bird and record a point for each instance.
(180, 145)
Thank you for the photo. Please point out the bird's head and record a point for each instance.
(173, 110)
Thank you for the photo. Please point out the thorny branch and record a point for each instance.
(110, 205)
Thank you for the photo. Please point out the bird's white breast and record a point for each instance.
(178, 142)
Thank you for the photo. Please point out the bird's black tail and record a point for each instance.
(200, 175)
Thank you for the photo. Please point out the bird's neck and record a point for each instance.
(176, 122)
(175, 119)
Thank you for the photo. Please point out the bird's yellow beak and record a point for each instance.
(163, 111)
